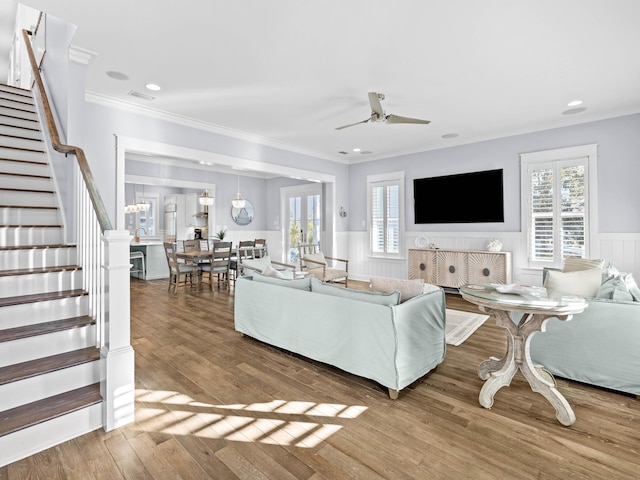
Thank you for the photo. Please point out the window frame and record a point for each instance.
(386, 179)
(557, 158)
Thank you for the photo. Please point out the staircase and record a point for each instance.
(49, 363)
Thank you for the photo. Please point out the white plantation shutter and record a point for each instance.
(558, 209)
(385, 207)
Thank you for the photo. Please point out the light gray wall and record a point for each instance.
(618, 142)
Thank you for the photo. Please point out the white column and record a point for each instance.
(117, 384)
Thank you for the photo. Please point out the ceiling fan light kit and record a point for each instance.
(379, 115)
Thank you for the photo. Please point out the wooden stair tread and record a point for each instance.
(26, 225)
(22, 149)
(41, 297)
(48, 207)
(44, 328)
(39, 247)
(40, 366)
(34, 413)
(32, 190)
(30, 175)
(35, 271)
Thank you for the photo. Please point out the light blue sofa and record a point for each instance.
(600, 346)
(359, 332)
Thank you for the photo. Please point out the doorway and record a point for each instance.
(303, 207)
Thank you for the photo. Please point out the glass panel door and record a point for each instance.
(303, 220)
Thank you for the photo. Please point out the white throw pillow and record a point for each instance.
(407, 288)
(575, 264)
(272, 272)
(258, 263)
(315, 258)
(582, 283)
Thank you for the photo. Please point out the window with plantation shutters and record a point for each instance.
(385, 214)
(556, 204)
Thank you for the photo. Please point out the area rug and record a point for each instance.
(460, 325)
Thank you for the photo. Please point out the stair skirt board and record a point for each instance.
(31, 348)
(37, 257)
(30, 235)
(46, 311)
(31, 440)
(32, 284)
(36, 388)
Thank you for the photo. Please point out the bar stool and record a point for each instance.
(133, 256)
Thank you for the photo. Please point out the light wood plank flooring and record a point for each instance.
(214, 405)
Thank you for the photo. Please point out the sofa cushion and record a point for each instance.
(583, 283)
(392, 298)
(407, 288)
(300, 284)
(575, 264)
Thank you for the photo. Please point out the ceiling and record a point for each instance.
(286, 73)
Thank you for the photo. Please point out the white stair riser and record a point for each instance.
(17, 102)
(29, 216)
(11, 112)
(28, 183)
(19, 132)
(30, 313)
(12, 94)
(17, 142)
(16, 237)
(32, 440)
(16, 285)
(21, 123)
(27, 198)
(39, 156)
(36, 388)
(31, 348)
(38, 257)
(25, 168)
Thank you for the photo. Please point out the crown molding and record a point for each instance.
(81, 55)
(197, 124)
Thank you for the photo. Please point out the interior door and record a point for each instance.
(303, 213)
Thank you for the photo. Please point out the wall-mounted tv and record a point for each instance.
(475, 197)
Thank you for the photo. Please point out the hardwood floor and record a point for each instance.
(211, 404)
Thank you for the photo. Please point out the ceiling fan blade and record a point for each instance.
(353, 124)
(376, 106)
(398, 119)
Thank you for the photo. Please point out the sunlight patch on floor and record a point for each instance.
(276, 423)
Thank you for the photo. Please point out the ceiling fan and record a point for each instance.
(378, 115)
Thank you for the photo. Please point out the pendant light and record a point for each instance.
(238, 201)
(205, 199)
(143, 205)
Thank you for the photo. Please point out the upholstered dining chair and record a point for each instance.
(177, 270)
(324, 268)
(220, 264)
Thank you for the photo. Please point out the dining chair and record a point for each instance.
(260, 245)
(191, 245)
(324, 268)
(245, 250)
(219, 265)
(177, 269)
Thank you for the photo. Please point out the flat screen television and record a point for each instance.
(475, 197)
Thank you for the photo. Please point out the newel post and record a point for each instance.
(117, 384)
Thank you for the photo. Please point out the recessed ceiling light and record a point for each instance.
(153, 87)
(356, 149)
(117, 75)
(450, 135)
(574, 103)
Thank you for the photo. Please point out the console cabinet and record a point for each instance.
(454, 268)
